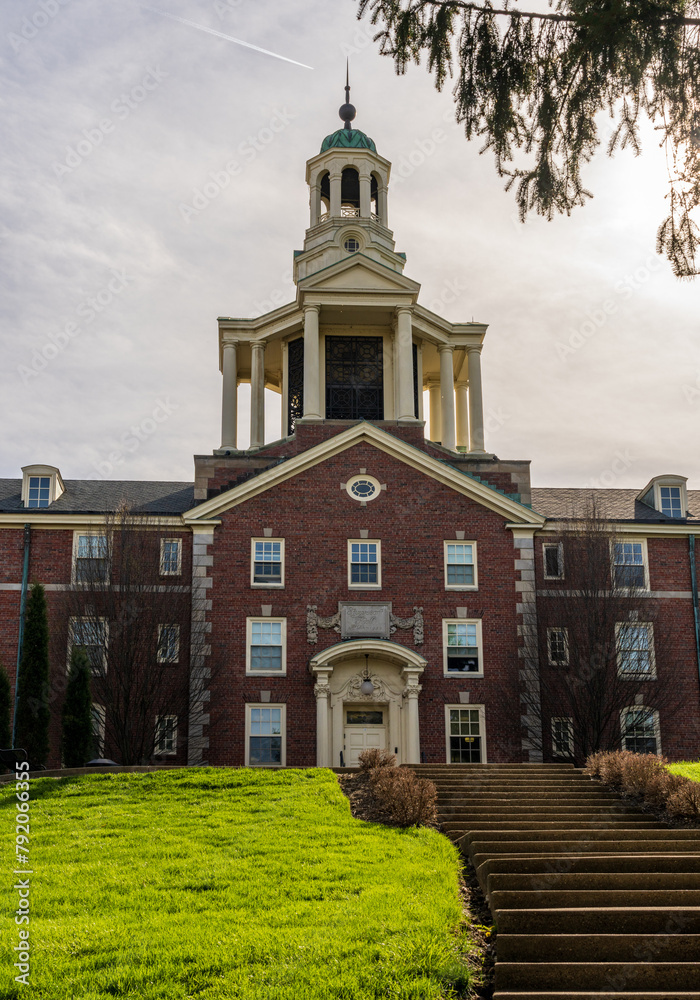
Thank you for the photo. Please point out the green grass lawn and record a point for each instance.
(209, 883)
(688, 768)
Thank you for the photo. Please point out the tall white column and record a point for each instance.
(382, 206)
(447, 397)
(404, 360)
(323, 754)
(476, 403)
(412, 729)
(315, 204)
(365, 196)
(257, 395)
(312, 377)
(462, 406)
(335, 185)
(435, 409)
(229, 397)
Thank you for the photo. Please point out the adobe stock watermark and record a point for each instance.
(130, 441)
(32, 24)
(597, 318)
(620, 464)
(122, 107)
(692, 392)
(87, 310)
(22, 948)
(248, 151)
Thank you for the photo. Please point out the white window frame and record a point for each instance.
(647, 675)
(168, 659)
(559, 546)
(365, 586)
(249, 645)
(460, 586)
(77, 535)
(570, 735)
(550, 659)
(163, 570)
(479, 642)
(657, 726)
(72, 621)
(627, 540)
(50, 472)
(651, 494)
(283, 731)
(266, 586)
(99, 716)
(482, 728)
(165, 753)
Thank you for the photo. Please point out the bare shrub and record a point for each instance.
(660, 787)
(645, 775)
(638, 770)
(685, 800)
(368, 760)
(411, 801)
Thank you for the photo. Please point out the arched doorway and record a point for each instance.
(350, 718)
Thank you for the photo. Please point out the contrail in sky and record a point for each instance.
(228, 38)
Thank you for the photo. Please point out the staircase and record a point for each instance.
(592, 899)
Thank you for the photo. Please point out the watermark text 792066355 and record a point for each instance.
(21, 949)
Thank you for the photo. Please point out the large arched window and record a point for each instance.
(325, 190)
(350, 193)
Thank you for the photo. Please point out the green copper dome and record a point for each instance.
(348, 139)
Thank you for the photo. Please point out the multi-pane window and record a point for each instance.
(267, 562)
(460, 565)
(363, 564)
(91, 564)
(266, 641)
(557, 646)
(265, 735)
(170, 557)
(98, 729)
(91, 635)
(39, 491)
(628, 565)
(464, 736)
(635, 649)
(166, 734)
(168, 643)
(462, 646)
(563, 737)
(553, 556)
(671, 501)
(640, 730)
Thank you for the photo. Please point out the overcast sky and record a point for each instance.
(114, 115)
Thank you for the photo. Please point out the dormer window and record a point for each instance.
(667, 494)
(41, 485)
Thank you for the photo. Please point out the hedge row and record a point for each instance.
(645, 776)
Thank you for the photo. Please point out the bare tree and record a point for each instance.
(602, 662)
(131, 609)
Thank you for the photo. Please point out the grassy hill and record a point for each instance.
(688, 768)
(206, 884)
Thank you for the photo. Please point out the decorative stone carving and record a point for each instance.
(355, 693)
(363, 621)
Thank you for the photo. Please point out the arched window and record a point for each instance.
(374, 198)
(350, 193)
(325, 189)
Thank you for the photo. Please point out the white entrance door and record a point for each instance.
(364, 730)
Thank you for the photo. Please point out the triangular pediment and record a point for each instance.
(358, 273)
(515, 513)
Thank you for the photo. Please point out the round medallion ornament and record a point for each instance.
(363, 488)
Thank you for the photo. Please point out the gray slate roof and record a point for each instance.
(615, 505)
(97, 496)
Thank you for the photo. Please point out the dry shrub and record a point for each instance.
(685, 800)
(594, 763)
(368, 760)
(660, 787)
(411, 801)
(638, 769)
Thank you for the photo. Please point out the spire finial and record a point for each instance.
(347, 112)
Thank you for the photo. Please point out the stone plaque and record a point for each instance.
(365, 621)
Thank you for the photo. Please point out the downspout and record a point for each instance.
(22, 606)
(694, 588)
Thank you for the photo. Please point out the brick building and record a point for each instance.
(353, 583)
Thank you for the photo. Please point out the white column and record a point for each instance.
(335, 184)
(312, 377)
(229, 398)
(404, 360)
(315, 204)
(365, 196)
(322, 691)
(462, 406)
(435, 415)
(412, 729)
(257, 395)
(382, 206)
(447, 397)
(476, 403)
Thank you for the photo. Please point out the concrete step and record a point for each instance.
(599, 850)
(594, 898)
(601, 947)
(601, 920)
(598, 995)
(570, 864)
(656, 832)
(474, 826)
(523, 809)
(623, 976)
(594, 880)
